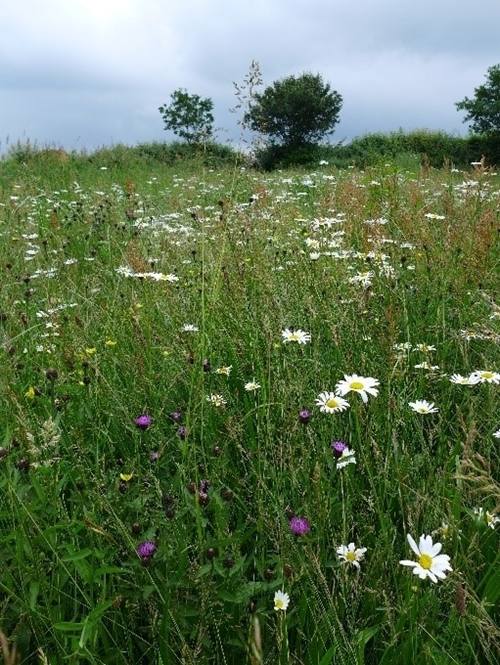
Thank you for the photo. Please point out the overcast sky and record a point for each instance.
(88, 73)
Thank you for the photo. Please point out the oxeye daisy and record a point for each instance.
(281, 601)
(298, 336)
(486, 376)
(470, 380)
(429, 562)
(216, 400)
(252, 386)
(363, 385)
(348, 456)
(497, 434)
(423, 406)
(351, 554)
(485, 516)
(224, 370)
(331, 403)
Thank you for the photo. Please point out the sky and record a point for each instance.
(83, 74)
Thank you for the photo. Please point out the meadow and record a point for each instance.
(233, 402)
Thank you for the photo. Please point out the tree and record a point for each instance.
(295, 111)
(484, 108)
(189, 116)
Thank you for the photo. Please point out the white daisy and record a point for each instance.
(423, 406)
(331, 403)
(486, 376)
(298, 336)
(429, 563)
(251, 386)
(359, 384)
(497, 434)
(485, 516)
(351, 554)
(224, 370)
(216, 400)
(425, 348)
(470, 380)
(281, 601)
(189, 327)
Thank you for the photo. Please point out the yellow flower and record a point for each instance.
(30, 393)
(126, 476)
(91, 351)
(110, 342)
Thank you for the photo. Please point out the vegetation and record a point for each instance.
(484, 108)
(177, 347)
(189, 116)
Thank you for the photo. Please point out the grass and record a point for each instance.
(128, 287)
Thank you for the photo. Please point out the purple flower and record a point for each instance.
(182, 432)
(145, 550)
(176, 416)
(338, 448)
(304, 416)
(143, 421)
(299, 526)
(153, 456)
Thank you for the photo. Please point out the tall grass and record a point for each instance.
(130, 287)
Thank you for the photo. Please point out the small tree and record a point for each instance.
(484, 108)
(295, 111)
(189, 116)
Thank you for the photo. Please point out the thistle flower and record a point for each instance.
(145, 550)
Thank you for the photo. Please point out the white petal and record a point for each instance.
(413, 544)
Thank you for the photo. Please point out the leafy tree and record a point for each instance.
(484, 108)
(189, 116)
(295, 111)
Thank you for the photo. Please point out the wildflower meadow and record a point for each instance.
(248, 417)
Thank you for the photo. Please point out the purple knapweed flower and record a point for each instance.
(338, 448)
(145, 550)
(298, 526)
(176, 416)
(154, 455)
(304, 416)
(143, 421)
(182, 432)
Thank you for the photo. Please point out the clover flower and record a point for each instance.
(363, 385)
(429, 562)
(281, 601)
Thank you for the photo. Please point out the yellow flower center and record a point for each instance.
(487, 375)
(279, 604)
(425, 561)
(356, 385)
(294, 337)
(331, 403)
(351, 556)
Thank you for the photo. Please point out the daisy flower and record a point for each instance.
(485, 376)
(423, 406)
(251, 386)
(351, 554)
(363, 385)
(485, 516)
(497, 434)
(216, 400)
(281, 601)
(470, 380)
(298, 336)
(429, 562)
(425, 348)
(224, 370)
(331, 403)
(189, 327)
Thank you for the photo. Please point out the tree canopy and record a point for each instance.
(295, 111)
(188, 116)
(484, 108)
